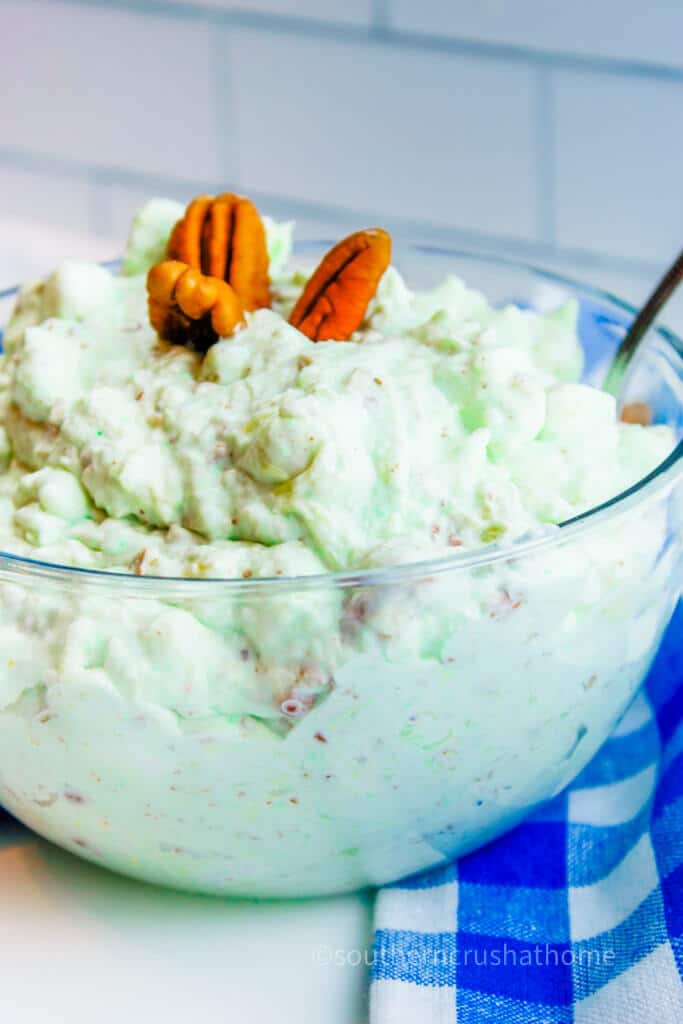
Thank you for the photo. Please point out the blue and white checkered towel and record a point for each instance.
(576, 915)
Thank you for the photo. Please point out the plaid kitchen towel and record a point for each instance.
(576, 915)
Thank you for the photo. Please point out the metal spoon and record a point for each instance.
(641, 325)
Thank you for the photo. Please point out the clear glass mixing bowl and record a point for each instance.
(456, 695)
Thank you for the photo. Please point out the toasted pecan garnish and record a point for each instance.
(189, 308)
(224, 237)
(333, 303)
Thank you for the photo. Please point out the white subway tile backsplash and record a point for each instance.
(619, 29)
(43, 218)
(108, 87)
(619, 165)
(395, 133)
(118, 203)
(355, 12)
(31, 249)
(114, 97)
(43, 197)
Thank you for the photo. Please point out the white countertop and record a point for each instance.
(81, 945)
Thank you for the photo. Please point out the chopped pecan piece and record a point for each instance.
(189, 308)
(636, 412)
(224, 237)
(333, 303)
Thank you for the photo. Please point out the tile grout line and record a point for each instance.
(532, 57)
(381, 17)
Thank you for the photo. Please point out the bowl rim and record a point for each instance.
(663, 476)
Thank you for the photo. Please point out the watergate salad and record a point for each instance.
(211, 410)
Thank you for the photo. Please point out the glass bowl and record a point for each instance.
(453, 696)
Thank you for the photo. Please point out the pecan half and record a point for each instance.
(224, 237)
(333, 303)
(189, 308)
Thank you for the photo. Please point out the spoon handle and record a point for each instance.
(642, 324)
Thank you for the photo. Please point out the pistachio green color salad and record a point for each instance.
(292, 742)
